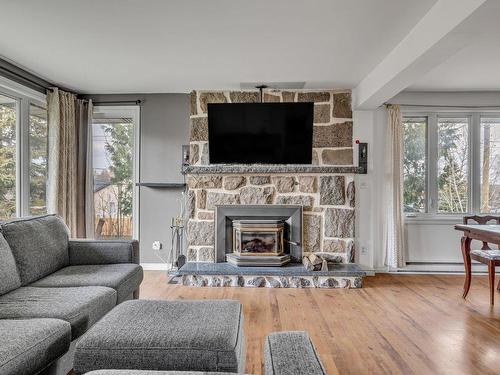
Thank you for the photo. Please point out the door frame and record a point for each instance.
(133, 112)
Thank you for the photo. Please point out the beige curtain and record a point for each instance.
(394, 219)
(69, 176)
(85, 196)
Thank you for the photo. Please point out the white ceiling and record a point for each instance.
(118, 46)
(477, 66)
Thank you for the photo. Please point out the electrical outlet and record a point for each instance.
(364, 250)
(157, 245)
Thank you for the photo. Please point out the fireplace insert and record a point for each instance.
(258, 237)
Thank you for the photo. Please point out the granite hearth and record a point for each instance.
(293, 275)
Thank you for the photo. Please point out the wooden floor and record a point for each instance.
(396, 324)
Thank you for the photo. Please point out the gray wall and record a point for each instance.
(164, 128)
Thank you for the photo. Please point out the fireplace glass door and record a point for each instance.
(259, 237)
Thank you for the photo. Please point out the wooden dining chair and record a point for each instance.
(486, 255)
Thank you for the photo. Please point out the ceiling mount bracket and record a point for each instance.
(261, 90)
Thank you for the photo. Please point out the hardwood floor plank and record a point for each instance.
(397, 324)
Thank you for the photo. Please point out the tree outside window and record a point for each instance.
(113, 171)
(414, 163)
(8, 113)
(38, 143)
(453, 165)
(490, 164)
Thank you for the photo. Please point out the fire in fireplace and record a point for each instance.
(258, 237)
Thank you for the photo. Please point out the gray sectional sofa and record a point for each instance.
(53, 289)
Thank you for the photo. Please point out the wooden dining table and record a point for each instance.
(487, 234)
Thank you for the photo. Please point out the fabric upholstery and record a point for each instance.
(103, 252)
(28, 346)
(81, 307)
(166, 335)
(488, 254)
(39, 245)
(9, 278)
(147, 372)
(125, 278)
(291, 353)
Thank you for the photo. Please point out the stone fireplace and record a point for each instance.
(324, 191)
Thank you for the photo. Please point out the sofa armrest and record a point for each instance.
(291, 353)
(103, 252)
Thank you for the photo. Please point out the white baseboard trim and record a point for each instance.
(155, 266)
(436, 268)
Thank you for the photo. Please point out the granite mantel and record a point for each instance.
(269, 168)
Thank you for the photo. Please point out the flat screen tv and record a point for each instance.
(260, 133)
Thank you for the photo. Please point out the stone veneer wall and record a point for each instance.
(328, 200)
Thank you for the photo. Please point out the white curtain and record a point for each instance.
(394, 234)
(69, 182)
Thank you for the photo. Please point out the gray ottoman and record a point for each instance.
(291, 353)
(166, 335)
(146, 372)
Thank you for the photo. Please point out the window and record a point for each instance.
(8, 157)
(113, 139)
(23, 151)
(38, 142)
(451, 163)
(414, 155)
(490, 164)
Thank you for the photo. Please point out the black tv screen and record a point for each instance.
(263, 133)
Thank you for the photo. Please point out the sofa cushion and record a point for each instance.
(86, 251)
(291, 353)
(81, 307)
(28, 346)
(39, 245)
(166, 335)
(9, 278)
(124, 278)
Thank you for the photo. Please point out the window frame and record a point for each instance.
(134, 112)
(474, 161)
(24, 97)
(495, 114)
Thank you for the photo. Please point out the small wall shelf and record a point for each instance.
(162, 185)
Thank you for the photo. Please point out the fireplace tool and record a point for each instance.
(176, 256)
(177, 259)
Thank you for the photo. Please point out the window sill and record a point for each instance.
(434, 219)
